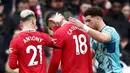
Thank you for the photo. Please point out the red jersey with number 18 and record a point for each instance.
(76, 54)
(27, 52)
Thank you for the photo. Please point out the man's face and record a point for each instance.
(100, 3)
(23, 6)
(126, 10)
(84, 7)
(51, 24)
(116, 7)
(91, 21)
(33, 2)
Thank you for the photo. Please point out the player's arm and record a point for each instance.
(55, 60)
(12, 62)
(47, 40)
(99, 36)
(13, 56)
(57, 52)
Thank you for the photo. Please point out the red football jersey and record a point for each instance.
(27, 52)
(76, 54)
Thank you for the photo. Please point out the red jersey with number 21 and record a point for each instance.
(74, 43)
(28, 49)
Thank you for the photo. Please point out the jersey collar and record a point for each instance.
(28, 30)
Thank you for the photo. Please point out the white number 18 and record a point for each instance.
(79, 44)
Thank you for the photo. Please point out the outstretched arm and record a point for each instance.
(99, 36)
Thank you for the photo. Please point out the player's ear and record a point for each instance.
(33, 22)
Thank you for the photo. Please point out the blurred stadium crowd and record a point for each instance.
(116, 14)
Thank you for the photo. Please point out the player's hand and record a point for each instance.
(76, 22)
(53, 40)
(57, 18)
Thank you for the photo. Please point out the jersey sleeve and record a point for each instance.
(58, 40)
(13, 55)
(48, 40)
(111, 32)
(114, 38)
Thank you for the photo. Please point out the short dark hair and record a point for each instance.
(49, 16)
(94, 11)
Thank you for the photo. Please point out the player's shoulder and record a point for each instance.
(60, 30)
(16, 38)
(109, 29)
(42, 34)
(22, 35)
(63, 29)
(112, 31)
(36, 33)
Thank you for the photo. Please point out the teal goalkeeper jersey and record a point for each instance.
(107, 54)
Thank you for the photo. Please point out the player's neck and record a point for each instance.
(64, 22)
(28, 28)
(101, 26)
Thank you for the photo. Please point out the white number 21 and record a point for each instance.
(79, 44)
(31, 47)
